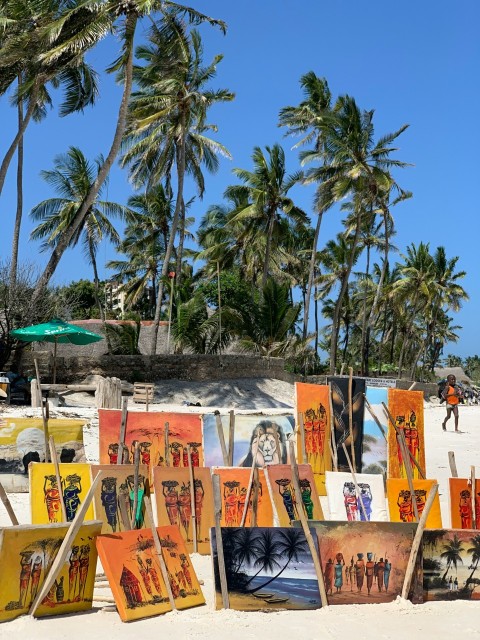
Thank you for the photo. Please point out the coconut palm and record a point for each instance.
(72, 178)
(475, 551)
(451, 553)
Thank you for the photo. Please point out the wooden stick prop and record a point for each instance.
(158, 549)
(147, 397)
(192, 500)
(333, 444)
(374, 416)
(354, 478)
(123, 430)
(66, 545)
(306, 529)
(399, 433)
(350, 415)
(167, 444)
(136, 472)
(54, 457)
(44, 418)
(256, 484)
(221, 437)
(249, 493)
(472, 480)
(412, 386)
(408, 470)
(231, 436)
(407, 583)
(453, 464)
(8, 506)
(123, 502)
(301, 426)
(217, 498)
(342, 368)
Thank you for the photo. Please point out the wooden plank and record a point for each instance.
(249, 493)
(417, 541)
(8, 505)
(453, 464)
(123, 430)
(44, 419)
(66, 545)
(256, 484)
(354, 478)
(306, 529)
(221, 437)
(158, 549)
(217, 498)
(54, 457)
(192, 499)
(231, 437)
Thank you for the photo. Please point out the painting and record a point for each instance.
(263, 437)
(406, 408)
(365, 562)
(174, 503)
(26, 556)
(400, 502)
(374, 450)
(133, 570)
(45, 495)
(118, 484)
(461, 503)
(282, 493)
(345, 504)
(22, 441)
(233, 488)
(451, 564)
(277, 572)
(341, 410)
(312, 401)
(148, 429)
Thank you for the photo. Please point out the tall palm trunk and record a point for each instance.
(169, 249)
(265, 584)
(19, 212)
(364, 351)
(311, 272)
(373, 310)
(181, 241)
(64, 240)
(268, 248)
(96, 281)
(316, 319)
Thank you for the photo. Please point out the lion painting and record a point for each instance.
(268, 445)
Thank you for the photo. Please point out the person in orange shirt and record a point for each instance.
(451, 394)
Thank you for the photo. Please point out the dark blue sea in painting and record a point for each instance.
(303, 593)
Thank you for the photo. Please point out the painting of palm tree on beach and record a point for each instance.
(266, 568)
(451, 560)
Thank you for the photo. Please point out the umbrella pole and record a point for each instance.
(55, 361)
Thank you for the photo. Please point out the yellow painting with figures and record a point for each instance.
(401, 504)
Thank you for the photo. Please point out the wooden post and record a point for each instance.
(158, 549)
(350, 415)
(66, 545)
(412, 386)
(374, 416)
(192, 499)
(301, 426)
(123, 430)
(167, 444)
(249, 493)
(342, 368)
(417, 541)
(332, 429)
(8, 505)
(256, 484)
(136, 462)
(306, 530)
(221, 437)
(108, 394)
(474, 513)
(123, 502)
(231, 437)
(54, 457)
(399, 433)
(408, 470)
(354, 478)
(217, 498)
(44, 419)
(453, 464)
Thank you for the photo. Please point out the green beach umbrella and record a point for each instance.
(56, 331)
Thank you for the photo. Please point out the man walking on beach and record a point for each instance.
(451, 394)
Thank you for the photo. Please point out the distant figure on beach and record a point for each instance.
(451, 394)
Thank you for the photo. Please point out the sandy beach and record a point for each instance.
(394, 621)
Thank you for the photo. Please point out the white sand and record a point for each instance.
(396, 621)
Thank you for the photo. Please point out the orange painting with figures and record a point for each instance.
(312, 401)
(233, 489)
(461, 503)
(400, 503)
(406, 408)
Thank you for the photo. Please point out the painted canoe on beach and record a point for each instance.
(266, 568)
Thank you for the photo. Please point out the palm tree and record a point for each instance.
(475, 551)
(168, 120)
(72, 178)
(452, 551)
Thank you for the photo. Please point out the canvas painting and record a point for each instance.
(254, 581)
(451, 568)
(311, 400)
(461, 503)
(118, 484)
(345, 504)
(135, 576)
(365, 562)
(22, 441)
(148, 429)
(26, 556)
(258, 436)
(233, 487)
(400, 502)
(341, 410)
(375, 451)
(406, 408)
(174, 503)
(45, 495)
(282, 492)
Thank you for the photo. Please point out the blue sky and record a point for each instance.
(414, 63)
